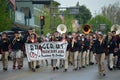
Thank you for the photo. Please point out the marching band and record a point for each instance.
(82, 50)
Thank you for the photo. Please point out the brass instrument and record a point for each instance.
(116, 28)
(86, 29)
(17, 38)
(61, 28)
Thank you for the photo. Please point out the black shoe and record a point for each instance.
(65, 70)
(104, 74)
(91, 63)
(53, 68)
(5, 69)
(21, 65)
(75, 69)
(33, 70)
(57, 68)
(37, 66)
(79, 68)
(83, 66)
(114, 67)
(110, 69)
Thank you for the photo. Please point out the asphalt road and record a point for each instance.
(46, 73)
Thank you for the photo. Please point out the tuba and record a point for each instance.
(86, 29)
(116, 28)
(61, 28)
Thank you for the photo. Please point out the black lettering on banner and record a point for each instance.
(51, 46)
(53, 55)
(43, 46)
(62, 46)
(58, 46)
(60, 51)
(31, 47)
(36, 47)
(47, 46)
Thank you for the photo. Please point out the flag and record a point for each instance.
(13, 3)
(62, 18)
(77, 23)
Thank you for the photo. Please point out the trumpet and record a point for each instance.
(16, 39)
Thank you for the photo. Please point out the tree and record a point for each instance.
(112, 12)
(5, 20)
(97, 20)
(84, 14)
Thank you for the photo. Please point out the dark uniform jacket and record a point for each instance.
(17, 45)
(112, 45)
(99, 48)
(4, 44)
(75, 47)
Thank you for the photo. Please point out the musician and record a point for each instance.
(74, 50)
(100, 44)
(53, 61)
(43, 39)
(92, 39)
(17, 43)
(87, 45)
(4, 45)
(79, 52)
(64, 39)
(84, 50)
(59, 61)
(111, 45)
(33, 39)
(116, 39)
(26, 38)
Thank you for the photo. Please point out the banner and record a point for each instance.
(46, 50)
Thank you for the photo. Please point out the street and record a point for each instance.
(46, 73)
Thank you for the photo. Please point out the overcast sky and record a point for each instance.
(94, 5)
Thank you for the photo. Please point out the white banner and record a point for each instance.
(46, 50)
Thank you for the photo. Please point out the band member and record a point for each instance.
(74, 50)
(53, 61)
(92, 58)
(58, 38)
(33, 39)
(64, 39)
(87, 44)
(100, 45)
(26, 39)
(79, 52)
(111, 45)
(17, 43)
(116, 39)
(43, 39)
(84, 50)
(4, 44)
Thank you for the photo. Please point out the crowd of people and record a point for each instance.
(82, 50)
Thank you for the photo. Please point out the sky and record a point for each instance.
(94, 5)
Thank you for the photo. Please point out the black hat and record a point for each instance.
(4, 33)
(30, 28)
(16, 32)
